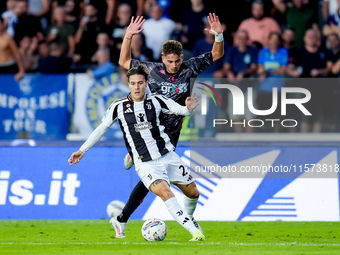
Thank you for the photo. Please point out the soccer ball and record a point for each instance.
(114, 208)
(154, 230)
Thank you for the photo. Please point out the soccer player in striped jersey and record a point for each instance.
(171, 78)
(153, 153)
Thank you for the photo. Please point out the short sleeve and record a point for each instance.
(261, 57)
(284, 57)
(227, 58)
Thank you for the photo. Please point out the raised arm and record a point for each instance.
(125, 52)
(279, 5)
(216, 30)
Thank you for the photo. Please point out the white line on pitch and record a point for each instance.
(175, 243)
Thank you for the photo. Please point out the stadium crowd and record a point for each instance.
(265, 39)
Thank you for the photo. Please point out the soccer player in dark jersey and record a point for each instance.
(156, 162)
(170, 78)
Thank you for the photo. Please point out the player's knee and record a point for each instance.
(194, 194)
(166, 194)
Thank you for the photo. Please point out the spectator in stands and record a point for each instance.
(139, 50)
(310, 62)
(241, 59)
(258, 26)
(56, 62)
(72, 14)
(331, 88)
(27, 25)
(61, 32)
(105, 8)
(334, 51)
(157, 30)
(329, 7)
(74, 8)
(104, 68)
(40, 9)
(164, 4)
(43, 49)
(104, 42)
(272, 63)
(204, 45)
(124, 15)
(288, 37)
(333, 23)
(10, 60)
(28, 49)
(193, 21)
(137, 6)
(298, 17)
(239, 63)
(10, 18)
(89, 27)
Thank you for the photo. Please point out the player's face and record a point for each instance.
(172, 62)
(137, 86)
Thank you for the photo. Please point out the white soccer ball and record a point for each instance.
(114, 208)
(154, 230)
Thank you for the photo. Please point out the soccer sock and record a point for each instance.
(190, 205)
(180, 215)
(136, 198)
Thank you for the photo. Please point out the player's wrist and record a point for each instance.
(218, 36)
(128, 36)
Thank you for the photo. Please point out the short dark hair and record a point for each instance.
(172, 47)
(277, 34)
(141, 69)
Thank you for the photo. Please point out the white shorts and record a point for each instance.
(169, 167)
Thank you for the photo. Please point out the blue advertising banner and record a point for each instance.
(34, 107)
(42, 185)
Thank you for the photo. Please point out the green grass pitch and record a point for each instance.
(97, 237)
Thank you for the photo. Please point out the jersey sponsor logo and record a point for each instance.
(167, 87)
(142, 123)
(140, 117)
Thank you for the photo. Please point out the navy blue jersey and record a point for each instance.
(175, 86)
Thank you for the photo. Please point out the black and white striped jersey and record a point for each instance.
(142, 126)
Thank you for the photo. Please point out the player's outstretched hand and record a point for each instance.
(215, 24)
(76, 157)
(192, 102)
(135, 24)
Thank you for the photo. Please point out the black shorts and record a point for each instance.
(175, 133)
(9, 69)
